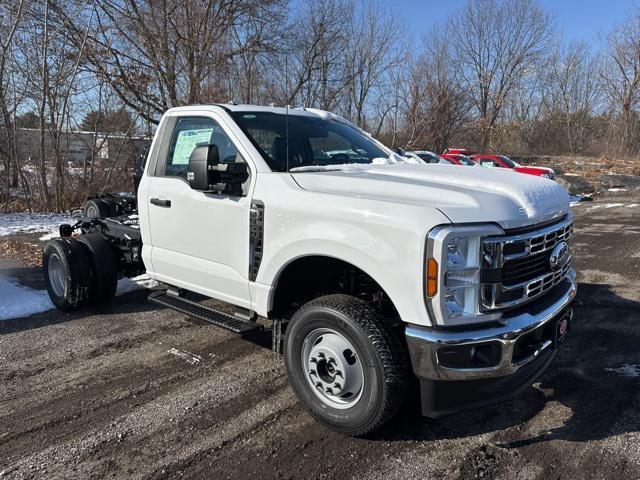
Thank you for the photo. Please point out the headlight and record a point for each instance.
(452, 274)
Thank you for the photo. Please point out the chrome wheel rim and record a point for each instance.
(56, 275)
(332, 368)
(92, 212)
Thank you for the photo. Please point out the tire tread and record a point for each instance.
(77, 272)
(103, 265)
(387, 344)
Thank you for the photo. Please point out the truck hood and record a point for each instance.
(463, 194)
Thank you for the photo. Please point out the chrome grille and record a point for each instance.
(516, 268)
(527, 244)
(525, 268)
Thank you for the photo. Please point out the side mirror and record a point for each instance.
(207, 174)
(203, 163)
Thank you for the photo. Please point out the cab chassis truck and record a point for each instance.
(378, 272)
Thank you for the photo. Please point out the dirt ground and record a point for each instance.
(135, 391)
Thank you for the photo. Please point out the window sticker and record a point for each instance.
(186, 142)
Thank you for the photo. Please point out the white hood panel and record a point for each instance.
(464, 194)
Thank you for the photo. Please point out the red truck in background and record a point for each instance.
(458, 156)
(499, 161)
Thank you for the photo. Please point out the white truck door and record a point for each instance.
(200, 241)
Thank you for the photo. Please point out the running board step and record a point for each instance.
(201, 312)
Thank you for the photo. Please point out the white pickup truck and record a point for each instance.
(378, 271)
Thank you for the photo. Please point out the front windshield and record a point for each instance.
(510, 163)
(463, 159)
(432, 158)
(312, 141)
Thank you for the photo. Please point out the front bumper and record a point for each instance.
(519, 349)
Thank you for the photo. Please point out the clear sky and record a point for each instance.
(587, 20)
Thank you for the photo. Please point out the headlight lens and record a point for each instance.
(457, 250)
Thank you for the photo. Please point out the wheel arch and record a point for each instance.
(337, 275)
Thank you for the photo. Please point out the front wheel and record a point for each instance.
(345, 364)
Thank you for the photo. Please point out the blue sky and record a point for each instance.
(587, 20)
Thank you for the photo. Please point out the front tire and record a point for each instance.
(346, 365)
(67, 273)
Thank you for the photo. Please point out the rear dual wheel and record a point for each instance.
(346, 365)
(79, 272)
(67, 273)
(99, 208)
(104, 272)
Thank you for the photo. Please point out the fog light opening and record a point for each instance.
(486, 355)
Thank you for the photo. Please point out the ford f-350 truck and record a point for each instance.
(376, 270)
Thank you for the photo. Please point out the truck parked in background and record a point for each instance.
(374, 269)
(502, 161)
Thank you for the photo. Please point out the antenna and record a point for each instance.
(286, 108)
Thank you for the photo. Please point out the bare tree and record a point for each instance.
(622, 77)
(438, 106)
(576, 91)
(308, 69)
(157, 55)
(497, 43)
(11, 16)
(49, 63)
(376, 45)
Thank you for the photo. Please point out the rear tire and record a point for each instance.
(97, 208)
(104, 269)
(67, 273)
(342, 341)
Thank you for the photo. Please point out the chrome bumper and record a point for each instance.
(424, 342)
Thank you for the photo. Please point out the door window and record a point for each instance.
(490, 163)
(191, 132)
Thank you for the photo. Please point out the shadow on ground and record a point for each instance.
(606, 334)
(133, 302)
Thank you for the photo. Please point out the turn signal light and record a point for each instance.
(432, 277)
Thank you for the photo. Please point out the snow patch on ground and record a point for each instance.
(612, 205)
(17, 301)
(11, 223)
(190, 358)
(126, 285)
(48, 236)
(627, 370)
(574, 200)
(577, 199)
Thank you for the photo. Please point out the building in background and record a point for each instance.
(80, 148)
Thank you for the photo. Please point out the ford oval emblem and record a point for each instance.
(559, 255)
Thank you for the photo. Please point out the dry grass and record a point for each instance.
(29, 254)
(588, 167)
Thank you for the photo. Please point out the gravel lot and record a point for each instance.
(134, 391)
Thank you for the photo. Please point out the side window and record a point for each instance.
(191, 132)
(489, 163)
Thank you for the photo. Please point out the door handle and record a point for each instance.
(160, 202)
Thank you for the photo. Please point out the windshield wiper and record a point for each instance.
(317, 168)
